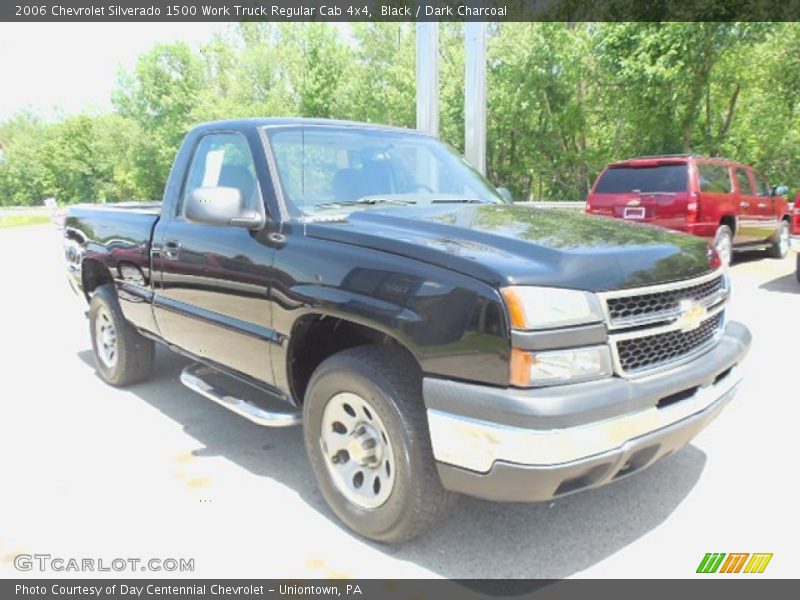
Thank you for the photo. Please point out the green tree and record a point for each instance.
(160, 95)
(380, 81)
(23, 176)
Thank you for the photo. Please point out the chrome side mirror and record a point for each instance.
(221, 206)
(780, 190)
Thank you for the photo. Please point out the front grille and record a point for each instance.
(641, 308)
(649, 352)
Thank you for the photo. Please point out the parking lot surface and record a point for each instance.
(157, 471)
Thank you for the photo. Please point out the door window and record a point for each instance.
(762, 187)
(223, 160)
(714, 178)
(743, 180)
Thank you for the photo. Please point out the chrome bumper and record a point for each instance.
(546, 443)
(477, 445)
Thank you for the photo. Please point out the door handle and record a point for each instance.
(744, 204)
(172, 250)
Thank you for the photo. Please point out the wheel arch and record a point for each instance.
(317, 336)
(94, 273)
(730, 221)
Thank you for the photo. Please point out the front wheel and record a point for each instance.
(366, 435)
(123, 356)
(780, 242)
(723, 244)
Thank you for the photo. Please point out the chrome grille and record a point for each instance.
(638, 309)
(652, 328)
(648, 352)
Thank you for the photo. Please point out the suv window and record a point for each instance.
(744, 182)
(660, 178)
(223, 160)
(762, 187)
(714, 178)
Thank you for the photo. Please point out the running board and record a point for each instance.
(751, 247)
(192, 378)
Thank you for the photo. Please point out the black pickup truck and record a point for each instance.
(431, 337)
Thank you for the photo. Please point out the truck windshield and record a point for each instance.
(660, 178)
(335, 168)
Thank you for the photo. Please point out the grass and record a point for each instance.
(22, 220)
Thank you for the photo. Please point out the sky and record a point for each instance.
(58, 68)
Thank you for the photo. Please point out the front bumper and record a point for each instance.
(537, 444)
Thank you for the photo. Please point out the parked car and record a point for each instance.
(796, 215)
(726, 202)
(431, 338)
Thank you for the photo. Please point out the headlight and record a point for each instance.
(559, 366)
(546, 308)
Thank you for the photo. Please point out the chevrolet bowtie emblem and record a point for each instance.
(692, 314)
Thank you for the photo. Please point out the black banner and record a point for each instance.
(398, 10)
(382, 589)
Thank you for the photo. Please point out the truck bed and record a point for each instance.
(114, 235)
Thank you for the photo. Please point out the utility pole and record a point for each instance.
(475, 95)
(428, 77)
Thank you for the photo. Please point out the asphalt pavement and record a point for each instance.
(157, 471)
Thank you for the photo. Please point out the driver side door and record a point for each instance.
(213, 299)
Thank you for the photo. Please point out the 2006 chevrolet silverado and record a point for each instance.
(431, 338)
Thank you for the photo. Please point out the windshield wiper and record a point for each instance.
(368, 200)
(457, 201)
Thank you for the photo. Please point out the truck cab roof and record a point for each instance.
(259, 122)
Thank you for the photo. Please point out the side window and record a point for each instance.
(762, 187)
(223, 160)
(714, 178)
(744, 182)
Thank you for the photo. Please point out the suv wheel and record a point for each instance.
(723, 244)
(366, 435)
(797, 271)
(780, 242)
(123, 356)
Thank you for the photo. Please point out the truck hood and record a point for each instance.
(523, 245)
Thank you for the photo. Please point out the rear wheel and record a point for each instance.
(123, 356)
(780, 242)
(723, 244)
(366, 435)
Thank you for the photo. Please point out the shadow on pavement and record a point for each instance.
(786, 284)
(748, 257)
(480, 539)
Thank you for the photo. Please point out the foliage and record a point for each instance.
(9, 221)
(564, 100)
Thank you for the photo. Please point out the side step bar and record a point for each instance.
(192, 378)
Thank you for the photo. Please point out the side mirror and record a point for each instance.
(221, 206)
(506, 194)
(780, 190)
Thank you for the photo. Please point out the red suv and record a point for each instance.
(727, 202)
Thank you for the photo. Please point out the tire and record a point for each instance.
(780, 242)
(122, 355)
(723, 244)
(389, 384)
(797, 270)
